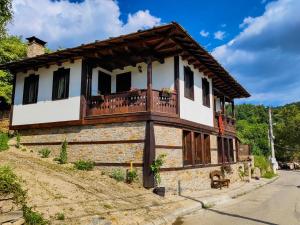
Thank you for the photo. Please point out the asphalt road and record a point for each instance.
(275, 203)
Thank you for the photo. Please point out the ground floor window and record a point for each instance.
(225, 150)
(196, 148)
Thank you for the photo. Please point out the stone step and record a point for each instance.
(11, 217)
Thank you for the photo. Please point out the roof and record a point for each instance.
(37, 40)
(156, 43)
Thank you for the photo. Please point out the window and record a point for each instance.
(228, 155)
(196, 148)
(60, 88)
(187, 148)
(31, 86)
(123, 82)
(104, 83)
(188, 83)
(205, 92)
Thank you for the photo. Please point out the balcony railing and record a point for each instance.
(130, 102)
(229, 123)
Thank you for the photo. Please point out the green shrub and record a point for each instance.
(3, 142)
(118, 175)
(155, 167)
(45, 152)
(60, 216)
(10, 184)
(18, 139)
(269, 175)
(262, 163)
(33, 218)
(131, 176)
(63, 156)
(84, 165)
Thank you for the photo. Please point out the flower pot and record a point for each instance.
(161, 191)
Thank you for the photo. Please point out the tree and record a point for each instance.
(6, 15)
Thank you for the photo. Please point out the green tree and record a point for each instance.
(6, 15)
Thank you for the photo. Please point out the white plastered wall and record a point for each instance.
(46, 110)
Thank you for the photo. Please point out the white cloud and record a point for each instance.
(62, 23)
(204, 33)
(265, 56)
(219, 35)
(224, 25)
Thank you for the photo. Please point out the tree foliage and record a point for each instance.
(252, 129)
(6, 15)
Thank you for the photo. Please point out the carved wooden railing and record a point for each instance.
(228, 122)
(129, 102)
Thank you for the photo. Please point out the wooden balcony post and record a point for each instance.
(176, 82)
(149, 86)
(233, 108)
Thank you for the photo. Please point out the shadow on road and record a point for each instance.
(228, 214)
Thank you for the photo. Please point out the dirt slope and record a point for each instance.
(83, 197)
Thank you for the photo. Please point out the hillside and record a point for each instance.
(84, 197)
(252, 126)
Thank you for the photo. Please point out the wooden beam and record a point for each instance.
(177, 83)
(149, 86)
(149, 156)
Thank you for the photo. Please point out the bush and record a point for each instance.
(60, 216)
(10, 184)
(269, 175)
(18, 139)
(131, 176)
(262, 163)
(84, 165)
(3, 142)
(155, 167)
(45, 152)
(63, 156)
(33, 218)
(118, 175)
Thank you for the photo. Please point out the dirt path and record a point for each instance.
(83, 197)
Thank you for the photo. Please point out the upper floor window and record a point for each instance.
(104, 83)
(61, 79)
(188, 83)
(123, 82)
(205, 92)
(31, 86)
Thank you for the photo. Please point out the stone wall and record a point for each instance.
(10, 213)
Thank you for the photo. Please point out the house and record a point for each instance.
(129, 99)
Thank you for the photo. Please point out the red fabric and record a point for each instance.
(221, 125)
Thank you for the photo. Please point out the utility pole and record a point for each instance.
(271, 138)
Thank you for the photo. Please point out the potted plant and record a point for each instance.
(134, 92)
(155, 168)
(166, 93)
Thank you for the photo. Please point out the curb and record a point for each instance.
(170, 218)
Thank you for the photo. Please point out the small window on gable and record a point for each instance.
(205, 92)
(60, 88)
(31, 86)
(188, 83)
(123, 82)
(104, 83)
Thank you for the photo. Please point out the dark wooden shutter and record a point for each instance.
(66, 74)
(55, 84)
(188, 83)
(187, 148)
(220, 150)
(231, 157)
(207, 153)
(198, 149)
(226, 150)
(104, 83)
(205, 92)
(123, 82)
(61, 75)
(31, 86)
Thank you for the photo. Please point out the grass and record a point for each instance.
(262, 163)
(33, 218)
(269, 175)
(84, 165)
(45, 152)
(60, 216)
(118, 175)
(3, 142)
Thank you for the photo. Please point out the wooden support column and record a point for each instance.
(202, 149)
(233, 108)
(176, 83)
(149, 156)
(223, 150)
(149, 86)
(193, 147)
(12, 100)
(223, 105)
(86, 87)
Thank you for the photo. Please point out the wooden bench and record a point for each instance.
(218, 180)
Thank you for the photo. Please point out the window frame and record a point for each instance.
(205, 92)
(189, 83)
(32, 79)
(56, 75)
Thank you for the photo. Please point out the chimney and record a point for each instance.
(35, 47)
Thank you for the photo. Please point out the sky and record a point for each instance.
(257, 41)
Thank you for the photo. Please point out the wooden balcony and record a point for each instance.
(131, 102)
(229, 123)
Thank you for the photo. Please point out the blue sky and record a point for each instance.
(257, 41)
